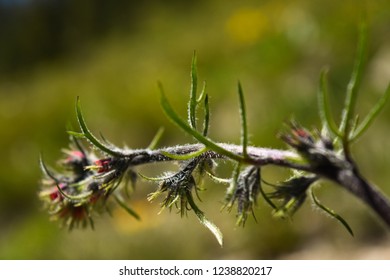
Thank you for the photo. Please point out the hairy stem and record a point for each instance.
(256, 155)
(353, 181)
(338, 169)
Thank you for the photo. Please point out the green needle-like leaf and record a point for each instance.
(232, 187)
(186, 156)
(331, 213)
(155, 179)
(206, 121)
(75, 198)
(353, 86)
(266, 198)
(87, 133)
(123, 204)
(371, 115)
(153, 144)
(45, 170)
(194, 84)
(323, 106)
(76, 134)
(244, 127)
(172, 115)
(217, 179)
(204, 221)
(202, 93)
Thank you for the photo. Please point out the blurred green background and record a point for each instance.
(112, 53)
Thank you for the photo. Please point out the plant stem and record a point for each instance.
(256, 155)
(353, 181)
(338, 169)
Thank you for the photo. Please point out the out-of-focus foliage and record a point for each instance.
(112, 54)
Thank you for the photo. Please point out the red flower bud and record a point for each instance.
(103, 164)
(55, 193)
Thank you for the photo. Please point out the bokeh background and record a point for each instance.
(112, 53)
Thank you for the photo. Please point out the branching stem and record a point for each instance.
(88, 182)
(337, 169)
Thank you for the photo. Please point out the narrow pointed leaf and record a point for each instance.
(155, 179)
(332, 213)
(353, 85)
(244, 127)
(204, 221)
(45, 170)
(186, 156)
(105, 141)
(232, 187)
(354, 127)
(78, 145)
(172, 115)
(76, 134)
(153, 144)
(122, 204)
(323, 105)
(194, 84)
(266, 198)
(371, 115)
(202, 93)
(74, 198)
(206, 116)
(87, 133)
(218, 179)
(125, 207)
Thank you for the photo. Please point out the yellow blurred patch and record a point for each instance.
(125, 223)
(247, 26)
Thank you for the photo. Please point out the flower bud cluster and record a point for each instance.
(82, 188)
(245, 192)
(178, 187)
(292, 193)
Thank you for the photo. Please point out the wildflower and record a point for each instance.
(68, 202)
(73, 215)
(299, 138)
(103, 165)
